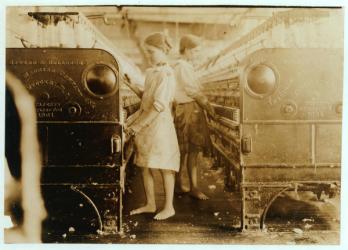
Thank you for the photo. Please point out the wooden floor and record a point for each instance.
(217, 220)
(195, 220)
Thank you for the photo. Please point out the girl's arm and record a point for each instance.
(143, 120)
(205, 104)
(187, 75)
(161, 98)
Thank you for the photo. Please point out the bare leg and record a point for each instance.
(168, 209)
(192, 170)
(179, 187)
(150, 206)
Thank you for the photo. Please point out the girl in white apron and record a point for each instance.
(156, 144)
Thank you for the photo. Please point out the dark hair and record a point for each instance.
(159, 40)
(189, 42)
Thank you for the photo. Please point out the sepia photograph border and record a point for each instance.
(207, 3)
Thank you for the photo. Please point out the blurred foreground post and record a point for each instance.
(27, 189)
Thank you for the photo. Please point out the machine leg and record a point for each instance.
(107, 204)
(256, 199)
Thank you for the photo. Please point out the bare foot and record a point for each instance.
(144, 209)
(198, 194)
(179, 189)
(165, 214)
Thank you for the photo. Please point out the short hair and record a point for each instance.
(159, 40)
(189, 42)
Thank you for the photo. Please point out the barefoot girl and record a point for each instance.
(156, 145)
(191, 126)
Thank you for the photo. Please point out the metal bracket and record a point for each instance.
(116, 144)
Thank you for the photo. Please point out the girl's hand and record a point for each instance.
(132, 130)
(129, 133)
(211, 112)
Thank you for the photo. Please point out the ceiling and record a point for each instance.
(209, 15)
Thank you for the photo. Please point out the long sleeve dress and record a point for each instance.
(156, 144)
